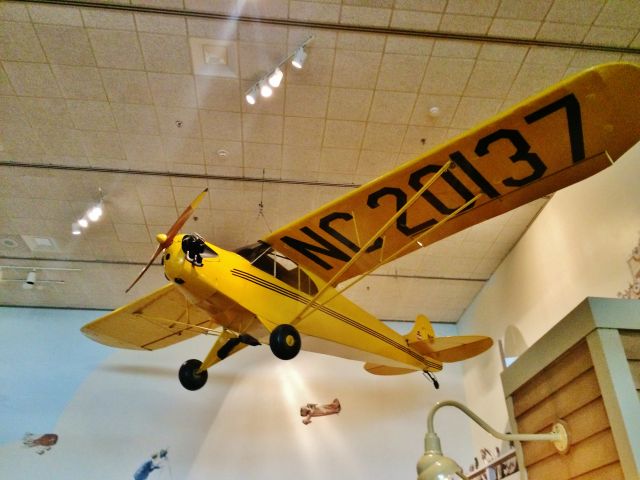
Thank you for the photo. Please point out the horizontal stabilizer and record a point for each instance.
(386, 370)
(452, 349)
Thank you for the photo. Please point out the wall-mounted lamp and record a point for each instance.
(433, 465)
(273, 79)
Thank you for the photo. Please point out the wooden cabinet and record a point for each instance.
(585, 372)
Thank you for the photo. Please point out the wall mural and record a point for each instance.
(633, 290)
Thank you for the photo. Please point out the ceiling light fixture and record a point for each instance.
(93, 214)
(433, 465)
(273, 79)
(30, 281)
(75, 228)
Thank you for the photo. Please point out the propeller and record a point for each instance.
(165, 239)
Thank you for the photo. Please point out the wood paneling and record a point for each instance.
(585, 457)
(561, 372)
(612, 471)
(631, 344)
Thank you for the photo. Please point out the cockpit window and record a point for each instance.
(208, 252)
(262, 256)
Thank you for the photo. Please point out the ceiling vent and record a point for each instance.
(40, 244)
(217, 58)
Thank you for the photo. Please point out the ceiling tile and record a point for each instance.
(524, 9)
(314, 12)
(255, 60)
(126, 86)
(262, 128)
(300, 158)
(91, 115)
(446, 76)
(513, 28)
(565, 11)
(107, 19)
(83, 83)
(409, 45)
(257, 32)
(562, 32)
(32, 79)
(212, 28)
(220, 125)
(491, 79)
(446, 105)
(619, 14)
(585, 59)
(134, 233)
(156, 23)
(166, 53)
(5, 86)
(14, 12)
(612, 36)
(472, 110)
(349, 103)
(303, 131)
(338, 160)
(259, 156)
(156, 195)
(357, 15)
(142, 148)
(157, 215)
(18, 41)
(420, 139)
(183, 150)
(221, 94)
(373, 163)
(179, 121)
(401, 73)
(360, 41)
(343, 134)
(383, 137)
(468, 24)
(412, 20)
(65, 45)
(306, 101)
(502, 53)
(102, 144)
(356, 69)
(62, 141)
(51, 112)
(549, 56)
(11, 112)
(423, 5)
(392, 107)
(534, 78)
(473, 7)
(212, 155)
(116, 49)
(135, 118)
(55, 14)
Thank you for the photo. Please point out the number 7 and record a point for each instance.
(574, 121)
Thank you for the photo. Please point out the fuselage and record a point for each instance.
(254, 297)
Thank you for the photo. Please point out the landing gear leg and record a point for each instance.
(431, 377)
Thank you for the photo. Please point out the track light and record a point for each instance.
(75, 228)
(299, 57)
(83, 222)
(30, 281)
(273, 79)
(252, 95)
(276, 77)
(265, 90)
(95, 213)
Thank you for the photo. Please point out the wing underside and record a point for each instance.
(549, 141)
(157, 320)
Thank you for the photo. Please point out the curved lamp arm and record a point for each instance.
(558, 434)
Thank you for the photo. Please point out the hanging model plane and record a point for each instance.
(286, 290)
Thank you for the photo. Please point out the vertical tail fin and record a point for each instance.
(422, 331)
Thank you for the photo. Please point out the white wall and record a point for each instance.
(119, 407)
(577, 247)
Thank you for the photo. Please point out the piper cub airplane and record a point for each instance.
(286, 290)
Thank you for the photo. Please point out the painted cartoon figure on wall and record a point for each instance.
(41, 444)
(315, 410)
(633, 291)
(157, 462)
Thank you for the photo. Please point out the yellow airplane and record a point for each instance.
(286, 290)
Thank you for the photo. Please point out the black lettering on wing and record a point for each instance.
(312, 251)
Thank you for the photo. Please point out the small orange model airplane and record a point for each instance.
(284, 290)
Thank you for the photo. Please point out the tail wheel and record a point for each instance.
(285, 341)
(189, 376)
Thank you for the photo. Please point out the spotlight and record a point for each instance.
(251, 95)
(265, 89)
(83, 223)
(30, 281)
(75, 228)
(95, 213)
(299, 57)
(275, 78)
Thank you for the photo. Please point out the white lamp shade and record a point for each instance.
(265, 90)
(276, 78)
(299, 58)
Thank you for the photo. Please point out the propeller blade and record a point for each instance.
(158, 251)
(164, 240)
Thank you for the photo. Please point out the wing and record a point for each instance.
(549, 141)
(157, 320)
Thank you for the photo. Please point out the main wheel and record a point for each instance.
(285, 341)
(189, 376)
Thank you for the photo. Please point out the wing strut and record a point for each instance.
(373, 238)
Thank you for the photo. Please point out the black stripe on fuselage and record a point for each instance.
(324, 309)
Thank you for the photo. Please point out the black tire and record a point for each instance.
(189, 378)
(285, 342)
